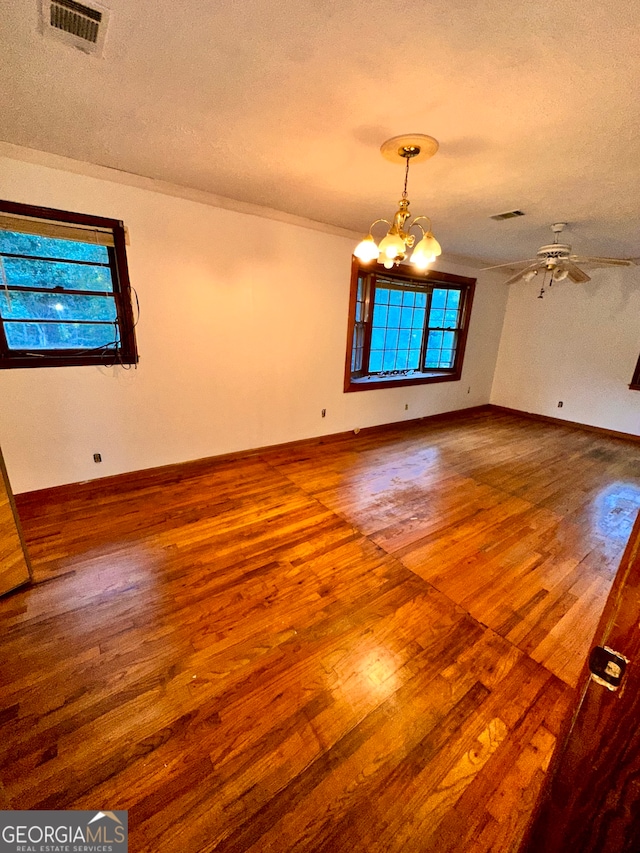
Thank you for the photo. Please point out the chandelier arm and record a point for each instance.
(422, 217)
(424, 233)
(375, 222)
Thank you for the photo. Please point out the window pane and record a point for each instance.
(375, 362)
(357, 349)
(402, 360)
(421, 300)
(44, 336)
(438, 298)
(393, 318)
(404, 339)
(382, 296)
(447, 340)
(377, 339)
(450, 319)
(379, 314)
(409, 298)
(406, 318)
(22, 305)
(446, 358)
(49, 274)
(389, 360)
(391, 339)
(453, 298)
(433, 358)
(436, 318)
(435, 340)
(48, 247)
(395, 297)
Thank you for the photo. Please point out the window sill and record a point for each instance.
(369, 383)
(109, 360)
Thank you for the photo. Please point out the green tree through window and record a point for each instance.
(63, 300)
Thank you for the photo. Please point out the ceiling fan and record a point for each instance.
(557, 260)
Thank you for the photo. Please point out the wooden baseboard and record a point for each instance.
(606, 433)
(178, 470)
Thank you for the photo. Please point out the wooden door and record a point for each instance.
(592, 800)
(14, 563)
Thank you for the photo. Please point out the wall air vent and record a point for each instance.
(80, 25)
(510, 214)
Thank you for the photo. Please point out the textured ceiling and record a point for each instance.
(285, 104)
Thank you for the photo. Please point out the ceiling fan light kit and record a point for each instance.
(557, 263)
(398, 241)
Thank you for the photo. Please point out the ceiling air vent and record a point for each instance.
(80, 25)
(510, 214)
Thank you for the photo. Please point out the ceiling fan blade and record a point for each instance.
(605, 262)
(512, 264)
(518, 276)
(575, 273)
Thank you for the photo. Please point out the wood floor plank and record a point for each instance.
(362, 644)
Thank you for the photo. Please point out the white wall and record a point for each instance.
(241, 337)
(579, 344)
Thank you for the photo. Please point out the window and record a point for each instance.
(404, 329)
(64, 289)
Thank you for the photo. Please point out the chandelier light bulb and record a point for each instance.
(388, 264)
(426, 251)
(559, 274)
(366, 250)
(422, 262)
(528, 276)
(420, 258)
(392, 245)
(431, 245)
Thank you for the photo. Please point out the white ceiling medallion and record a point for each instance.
(81, 25)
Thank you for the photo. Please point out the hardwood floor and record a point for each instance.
(365, 644)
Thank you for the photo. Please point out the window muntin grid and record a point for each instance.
(359, 327)
(65, 297)
(444, 323)
(397, 329)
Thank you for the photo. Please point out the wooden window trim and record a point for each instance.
(437, 375)
(634, 385)
(127, 353)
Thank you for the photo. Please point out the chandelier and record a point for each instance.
(398, 242)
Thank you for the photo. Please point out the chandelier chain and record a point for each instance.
(406, 178)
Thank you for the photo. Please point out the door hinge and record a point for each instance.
(607, 667)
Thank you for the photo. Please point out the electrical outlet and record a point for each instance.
(560, 404)
(97, 457)
(324, 413)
